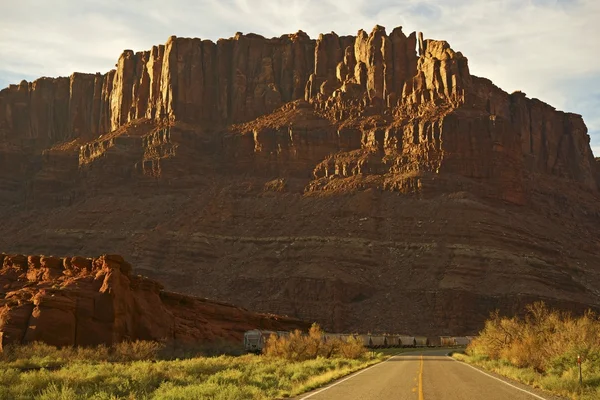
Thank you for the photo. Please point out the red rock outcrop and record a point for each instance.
(360, 181)
(81, 301)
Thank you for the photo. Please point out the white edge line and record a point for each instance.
(345, 379)
(498, 379)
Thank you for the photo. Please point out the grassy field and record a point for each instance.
(136, 371)
(541, 350)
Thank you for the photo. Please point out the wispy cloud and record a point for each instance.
(547, 48)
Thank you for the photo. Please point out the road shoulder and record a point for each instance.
(541, 394)
(314, 392)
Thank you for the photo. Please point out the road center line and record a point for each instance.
(345, 379)
(498, 379)
(421, 379)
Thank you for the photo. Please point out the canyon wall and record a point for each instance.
(193, 80)
(359, 181)
(474, 128)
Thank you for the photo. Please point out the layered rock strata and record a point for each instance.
(471, 126)
(360, 181)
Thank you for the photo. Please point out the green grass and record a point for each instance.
(96, 374)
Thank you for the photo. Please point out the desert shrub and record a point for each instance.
(292, 347)
(541, 349)
(299, 347)
(353, 349)
(136, 351)
(543, 340)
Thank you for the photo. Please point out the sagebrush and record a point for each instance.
(544, 340)
(541, 349)
(299, 347)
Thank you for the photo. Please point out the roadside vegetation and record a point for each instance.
(149, 370)
(541, 350)
(299, 347)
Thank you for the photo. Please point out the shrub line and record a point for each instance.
(542, 349)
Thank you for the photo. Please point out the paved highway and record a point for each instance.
(423, 375)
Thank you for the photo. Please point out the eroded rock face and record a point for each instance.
(373, 167)
(192, 80)
(247, 76)
(81, 301)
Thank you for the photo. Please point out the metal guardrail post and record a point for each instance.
(580, 374)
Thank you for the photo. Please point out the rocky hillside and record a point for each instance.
(84, 301)
(368, 182)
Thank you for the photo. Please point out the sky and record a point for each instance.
(549, 49)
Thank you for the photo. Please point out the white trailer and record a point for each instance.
(255, 340)
(392, 340)
(421, 341)
(365, 339)
(378, 341)
(461, 340)
(327, 337)
(346, 337)
(447, 341)
(407, 341)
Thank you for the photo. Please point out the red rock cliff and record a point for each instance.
(193, 80)
(360, 181)
(81, 301)
(476, 129)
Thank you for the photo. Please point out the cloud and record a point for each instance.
(546, 48)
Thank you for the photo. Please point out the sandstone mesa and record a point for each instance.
(367, 182)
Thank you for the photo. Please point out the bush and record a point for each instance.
(543, 340)
(300, 347)
(542, 349)
(352, 349)
(136, 351)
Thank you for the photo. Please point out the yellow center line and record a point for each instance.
(421, 379)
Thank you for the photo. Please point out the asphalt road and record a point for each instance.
(423, 375)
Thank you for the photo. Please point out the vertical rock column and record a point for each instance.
(329, 51)
(122, 90)
(404, 62)
(81, 106)
(379, 63)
